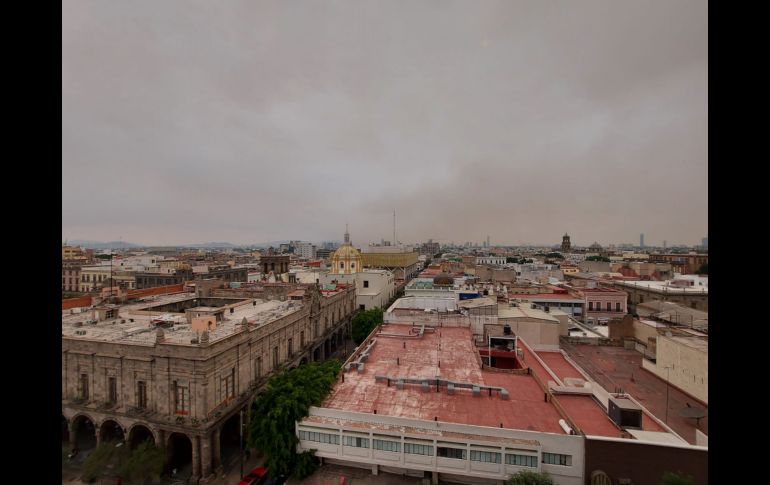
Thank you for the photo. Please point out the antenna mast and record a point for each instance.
(394, 227)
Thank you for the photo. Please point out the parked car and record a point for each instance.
(257, 476)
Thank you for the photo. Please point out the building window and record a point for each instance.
(141, 395)
(590, 306)
(227, 385)
(112, 389)
(275, 357)
(352, 265)
(693, 304)
(181, 398)
(331, 439)
(384, 445)
(258, 367)
(414, 449)
(290, 345)
(342, 265)
(366, 283)
(521, 460)
(302, 339)
(485, 456)
(557, 459)
(617, 306)
(362, 307)
(83, 387)
(456, 453)
(356, 442)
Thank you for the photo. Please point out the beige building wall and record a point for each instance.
(687, 363)
(539, 334)
(698, 301)
(92, 277)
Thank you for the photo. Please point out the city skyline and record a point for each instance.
(184, 122)
(476, 243)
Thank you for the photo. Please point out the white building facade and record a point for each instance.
(443, 451)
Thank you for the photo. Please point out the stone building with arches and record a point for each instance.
(179, 368)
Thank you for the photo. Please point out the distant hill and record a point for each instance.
(212, 245)
(103, 245)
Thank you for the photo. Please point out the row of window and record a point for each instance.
(384, 445)
(442, 451)
(112, 390)
(599, 306)
(97, 278)
(356, 442)
(332, 439)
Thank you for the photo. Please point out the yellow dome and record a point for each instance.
(346, 260)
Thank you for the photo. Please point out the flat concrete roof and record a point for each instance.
(662, 286)
(459, 361)
(523, 311)
(133, 324)
(559, 365)
(697, 343)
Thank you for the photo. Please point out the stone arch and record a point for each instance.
(229, 437)
(83, 432)
(179, 451)
(111, 430)
(139, 433)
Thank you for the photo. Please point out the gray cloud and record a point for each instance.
(254, 121)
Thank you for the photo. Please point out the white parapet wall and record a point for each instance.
(480, 452)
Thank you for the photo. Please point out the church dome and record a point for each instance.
(443, 279)
(346, 259)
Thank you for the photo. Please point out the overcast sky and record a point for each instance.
(250, 121)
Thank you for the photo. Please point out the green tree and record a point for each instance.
(103, 457)
(670, 478)
(598, 258)
(306, 464)
(286, 400)
(704, 269)
(554, 256)
(364, 322)
(525, 477)
(144, 463)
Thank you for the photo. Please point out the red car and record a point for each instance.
(257, 476)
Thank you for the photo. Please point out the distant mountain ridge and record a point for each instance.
(102, 245)
(207, 245)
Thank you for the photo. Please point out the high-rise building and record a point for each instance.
(641, 240)
(565, 243)
(430, 248)
(664, 244)
(305, 249)
(705, 242)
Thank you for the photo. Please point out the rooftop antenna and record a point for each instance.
(394, 227)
